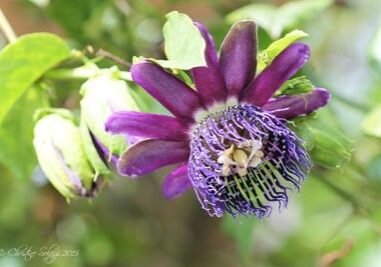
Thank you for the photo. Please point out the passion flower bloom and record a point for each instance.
(228, 134)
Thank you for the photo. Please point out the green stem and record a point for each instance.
(6, 28)
(105, 54)
(82, 73)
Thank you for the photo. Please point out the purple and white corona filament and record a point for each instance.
(229, 135)
(243, 159)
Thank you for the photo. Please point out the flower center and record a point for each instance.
(238, 158)
(243, 160)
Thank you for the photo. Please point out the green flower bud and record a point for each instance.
(61, 155)
(328, 147)
(103, 95)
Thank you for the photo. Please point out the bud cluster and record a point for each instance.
(77, 158)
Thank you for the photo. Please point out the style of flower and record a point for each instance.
(229, 134)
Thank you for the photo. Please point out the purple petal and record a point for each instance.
(291, 106)
(171, 92)
(103, 152)
(209, 80)
(177, 182)
(147, 125)
(238, 56)
(285, 65)
(148, 155)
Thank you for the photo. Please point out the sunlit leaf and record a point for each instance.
(279, 45)
(266, 56)
(277, 19)
(372, 123)
(23, 62)
(184, 45)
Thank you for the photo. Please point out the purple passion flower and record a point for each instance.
(228, 135)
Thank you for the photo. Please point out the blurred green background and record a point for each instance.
(334, 221)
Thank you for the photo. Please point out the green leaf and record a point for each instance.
(274, 20)
(24, 61)
(372, 123)
(184, 45)
(16, 134)
(279, 45)
(374, 49)
(327, 145)
(266, 56)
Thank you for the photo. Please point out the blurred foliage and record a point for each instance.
(335, 221)
(374, 50)
(124, 28)
(275, 19)
(372, 122)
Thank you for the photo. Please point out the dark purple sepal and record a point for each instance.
(151, 154)
(283, 67)
(238, 59)
(288, 107)
(208, 80)
(181, 100)
(177, 182)
(147, 125)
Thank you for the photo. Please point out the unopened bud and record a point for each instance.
(61, 155)
(103, 95)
